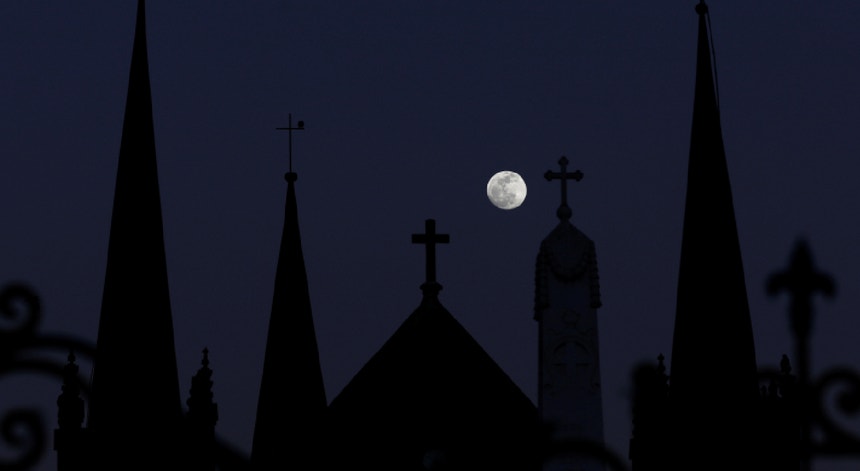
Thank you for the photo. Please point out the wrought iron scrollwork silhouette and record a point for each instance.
(23, 431)
(23, 349)
(836, 439)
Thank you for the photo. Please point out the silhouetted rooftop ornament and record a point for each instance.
(202, 410)
(430, 238)
(70, 404)
(300, 126)
(563, 211)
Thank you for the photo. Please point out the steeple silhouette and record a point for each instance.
(292, 404)
(135, 406)
(713, 374)
(711, 415)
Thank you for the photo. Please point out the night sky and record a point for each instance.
(409, 108)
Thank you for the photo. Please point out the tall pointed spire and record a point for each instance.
(713, 369)
(135, 392)
(292, 403)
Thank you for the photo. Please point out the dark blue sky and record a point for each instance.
(409, 108)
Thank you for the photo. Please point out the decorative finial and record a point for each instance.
(702, 8)
(802, 281)
(70, 414)
(430, 238)
(563, 211)
(202, 409)
(300, 126)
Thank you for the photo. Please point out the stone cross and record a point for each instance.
(563, 210)
(430, 238)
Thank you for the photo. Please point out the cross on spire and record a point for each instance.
(430, 238)
(563, 211)
(300, 126)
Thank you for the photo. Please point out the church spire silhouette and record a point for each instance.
(713, 357)
(135, 405)
(292, 404)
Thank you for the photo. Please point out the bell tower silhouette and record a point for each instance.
(567, 296)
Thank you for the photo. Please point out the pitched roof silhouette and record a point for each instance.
(432, 392)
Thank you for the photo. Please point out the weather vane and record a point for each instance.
(563, 210)
(300, 126)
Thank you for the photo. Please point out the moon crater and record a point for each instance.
(506, 190)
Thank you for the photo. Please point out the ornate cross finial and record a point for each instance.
(430, 238)
(801, 280)
(300, 126)
(563, 211)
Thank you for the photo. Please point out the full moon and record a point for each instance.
(506, 190)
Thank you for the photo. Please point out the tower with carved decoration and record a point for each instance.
(567, 296)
